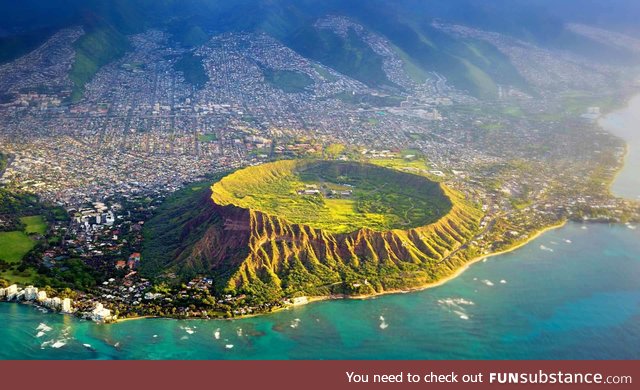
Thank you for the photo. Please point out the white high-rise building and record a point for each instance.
(30, 293)
(56, 303)
(11, 292)
(42, 296)
(110, 219)
(66, 305)
(100, 313)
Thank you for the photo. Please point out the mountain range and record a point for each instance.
(468, 62)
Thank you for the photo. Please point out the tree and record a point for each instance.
(334, 150)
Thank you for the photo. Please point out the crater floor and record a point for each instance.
(335, 196)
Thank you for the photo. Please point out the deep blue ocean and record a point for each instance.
(573, 293)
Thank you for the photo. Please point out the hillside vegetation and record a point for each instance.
(167, 233)
(350, 56)
(100, 45)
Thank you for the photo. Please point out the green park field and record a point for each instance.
(14, 245)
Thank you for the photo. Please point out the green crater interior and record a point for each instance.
(338, 197)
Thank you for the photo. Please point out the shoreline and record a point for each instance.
(440, 282)
(626, 153)
(463, 268)
(620, 169)
(309, 300)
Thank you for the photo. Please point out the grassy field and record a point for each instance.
(16, 244)
(400, 163)
(34, 224)
(379, 199)
(208, 137)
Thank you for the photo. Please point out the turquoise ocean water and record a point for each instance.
(573, 293)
